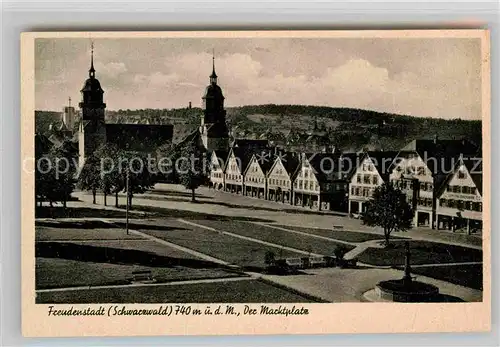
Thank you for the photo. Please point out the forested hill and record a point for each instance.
(353, 128)
(349, 128)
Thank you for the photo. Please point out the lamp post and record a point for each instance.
(127, 197)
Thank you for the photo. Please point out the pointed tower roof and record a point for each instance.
(92, 70)
(213, 75)
(92, 84)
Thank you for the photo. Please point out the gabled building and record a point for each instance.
(321, 182)
(217, 165)
(255, 175)
(459, 199)
(372, 171)
(421, 167)
(237, 162)
(280, 176)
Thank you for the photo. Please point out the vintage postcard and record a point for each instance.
(255, 182)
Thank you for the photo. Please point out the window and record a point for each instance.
(366, 179)
(473, 190)
(465, 190)
(375, 180)
(461, 174)
(358, 178)
(352, 191)
(421, 171)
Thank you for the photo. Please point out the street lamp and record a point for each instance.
(127, 197)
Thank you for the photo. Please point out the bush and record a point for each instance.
(269, 258)
(340, 251)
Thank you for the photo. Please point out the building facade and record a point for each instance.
(233, 173)
(217, 165)
(255, 180)
(459, 204)
(372, 171)
(420, 169)
(280, 177)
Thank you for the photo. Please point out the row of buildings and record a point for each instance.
(441, 178)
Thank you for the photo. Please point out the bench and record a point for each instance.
(293, 262)
(144, 275)
(317, 262)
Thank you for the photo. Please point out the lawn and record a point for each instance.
(228, 248)
(464, 275)
(422, 252)
(280, 237)
(342, 235)
(57, 273)
(43, 233)
(247, 291)
(78, 212)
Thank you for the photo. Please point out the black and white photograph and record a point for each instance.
(258, 170)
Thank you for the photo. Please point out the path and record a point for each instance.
(250, 239)
(305, 234)
(175, 283)
(230, 205)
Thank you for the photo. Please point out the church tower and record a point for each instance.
(92, 129)
(213, 128)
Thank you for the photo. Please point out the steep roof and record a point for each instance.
(440, 156)
(474, 168)
(139, 135)
(350, 162)
(243, 155)
(382, 160)
(42, 144)
(221, 156)
(181, 131)
(289, 160)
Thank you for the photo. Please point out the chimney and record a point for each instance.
(189, 107)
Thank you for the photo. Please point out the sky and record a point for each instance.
(423, 77)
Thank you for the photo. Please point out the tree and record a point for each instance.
(192, 168)
(55, 172)
(141, 176)
(110, 179)
(388, 209)
(90, 176)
